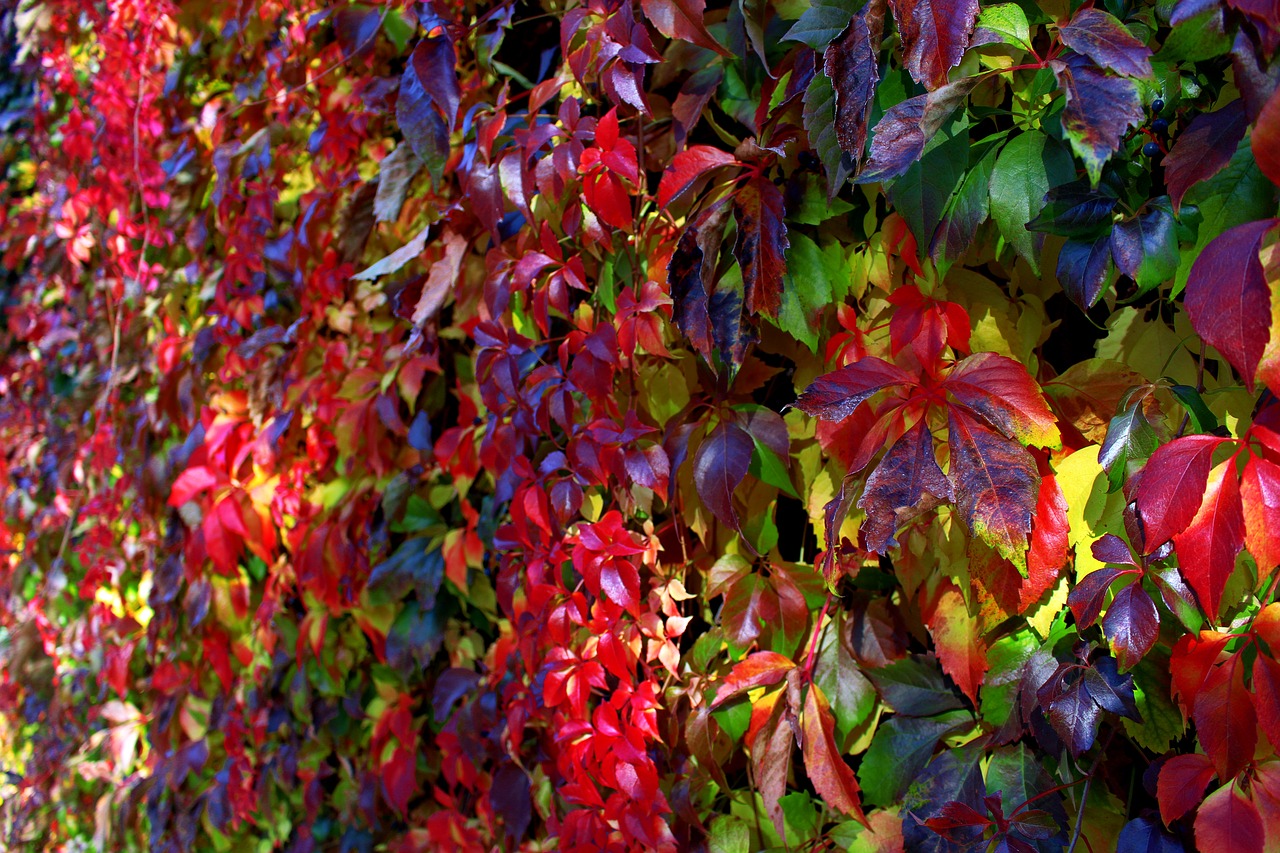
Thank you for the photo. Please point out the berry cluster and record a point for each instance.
(1157, 128)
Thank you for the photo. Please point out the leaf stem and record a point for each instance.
(1084, 793)
(813, 643)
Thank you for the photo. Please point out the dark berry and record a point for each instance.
(1151, 149)
(1159, 125)
(1157, 105)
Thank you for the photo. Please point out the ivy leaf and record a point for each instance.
(1028, 166)
(1103, 39)
(719, 466)
(900, 136)
(1171, 486)
(831, 777)
(1228, 822)
(1100, 108)
(687, 167)
(1181, 784)
(822, 22)
(1203, 149)
(683, 20)
(1226, 723)
(907, 482)
(935, 35)
(853, 65)
(762, 244)
(1228, 300)
(1207, 548)
(1083, 268)
(996, 486)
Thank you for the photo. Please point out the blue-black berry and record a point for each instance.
(1159, 125)
(1151, 149)
(1157, 105)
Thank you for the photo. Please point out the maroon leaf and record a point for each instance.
(1225, 720)
(762, 244)
(1266, 133)
(1227, 299)
(620, 580)
(1090, 594)
(760, 669)
(1112, 549)
(690, 274)
(1181, 784)
(1229, 822)
(1099, 109)
(1074, 716)
(687, 167)
(996, 486)
(935, 35)
(1103, 39)
(1266, 695)
(719, 466)
(900, 136)
(835, 395)
(956, 816)
(682, 19)
(1203, 149)
(749, 605)
(853, 64)
(1208, 547)
(1171, 486)
(1131, 624)
(907, 482)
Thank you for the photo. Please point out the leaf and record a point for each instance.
(831, 777)
(427, 105)
(935, 34)
(851, 694)
(1265, 139)
(1260, 500)
(820, 127)
(719, 466)
(955, 775)
(1171, 487)
(1075, 210)
(690, 273)
(687, 167)
(1228, 822)
(1087, 598)
(834, 396)
(728, 834)
(900, 136)
(761, 244)
(957, 639)
(1132, 625)
(760, 669)
(914, 687)
(1146, 248)
(1181, 785)
(1226, 723)
(1266, 696)
(996, 485)
(1130, 441)
(809, 282)
(395, 173)
(897, 488)
(1207, 548)
(822, 22)
(901, 748)
(1084, 268)
(1028, 166)
(967, 210)
(704, 738)
(771, 761)
(1227, 298)
(1100, 109)
(681, 19)
(1074, 716)
(1019, 774)
(1103, 39)
(853, 66)
(1001, 392)
(397, 259)
(1203, 149)
(750, 606)
(1003, 22)
(1144, 835)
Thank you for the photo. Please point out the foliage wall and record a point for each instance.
(634, 425)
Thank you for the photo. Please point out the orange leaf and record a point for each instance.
(831, 777)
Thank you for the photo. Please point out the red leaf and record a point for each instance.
(1208, 547)
(1048, 552)
(1204, 149)
(607, 198)
(1000, 390)
(1132, 624)
(906, 483)
(957, 638)
(1227, 298)
(771, 762)
(1266, 698)
(1266, 138)
(621, 582)
(1103, 39)
(1181, 785)
(1266, 796)
(749, 606)
(687, 167)
(1260, 497)
(192, 482)
(1190, 662)
(831, 777)
(762, 244)
(1228, 823)
(398, 779)
(852, 62)
(996, 485)
(681, 19)
(935, 34)
(756, 670)
(835, 395)
(1171, 486)
(1225, 720)
(719, 466)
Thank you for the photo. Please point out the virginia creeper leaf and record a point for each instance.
(1172, 484)
(1228, 822)
(907, 482)
(834, 396)
(831, 777)
(999, 390)
(682, 19)
(1265, 140)
(719, 465)
(1260, 498)
(853, 65)
(687, 167)
(1132, 625)
(1100, 109)
(1028, 166)
(1226, 723)
(1103, 39)
(1180, 788)
(762, 244)
(935, 34)
(1207, 548)
(759, 669)
(1203, 149)
(900, 136)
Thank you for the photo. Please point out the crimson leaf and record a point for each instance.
(935, 34)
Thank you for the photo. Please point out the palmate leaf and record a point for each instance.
(1203, 149)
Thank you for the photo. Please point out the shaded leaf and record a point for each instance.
(1100, 109)
(1203, 149)
(822, 22)
(681, 19)
(1084, 268)
(1028, 166)
(900, 136)
(1226, 723)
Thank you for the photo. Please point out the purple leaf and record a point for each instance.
(1131, 624)
(1083, 269)
(1104, 39)
(935, 35)
(1100, 108)
(1088, 596)
(907, 482)
(835, 395)
(719, 466)
(690, 272)
(853, 64)
(901, 135)
(1203, 149)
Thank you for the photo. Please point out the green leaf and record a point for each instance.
(1007, 22)
(768, 468)
(1130, 442)
(820, 126)
(850, 694)
(1197, 38)
(728, 834)
(1028, 166)
(1162, 721)
(968, 209)
(801, 816)
(813, 277)
(822, 22)
(900, 749)
(1006, 656)
(1202, 420)
(921, 194)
